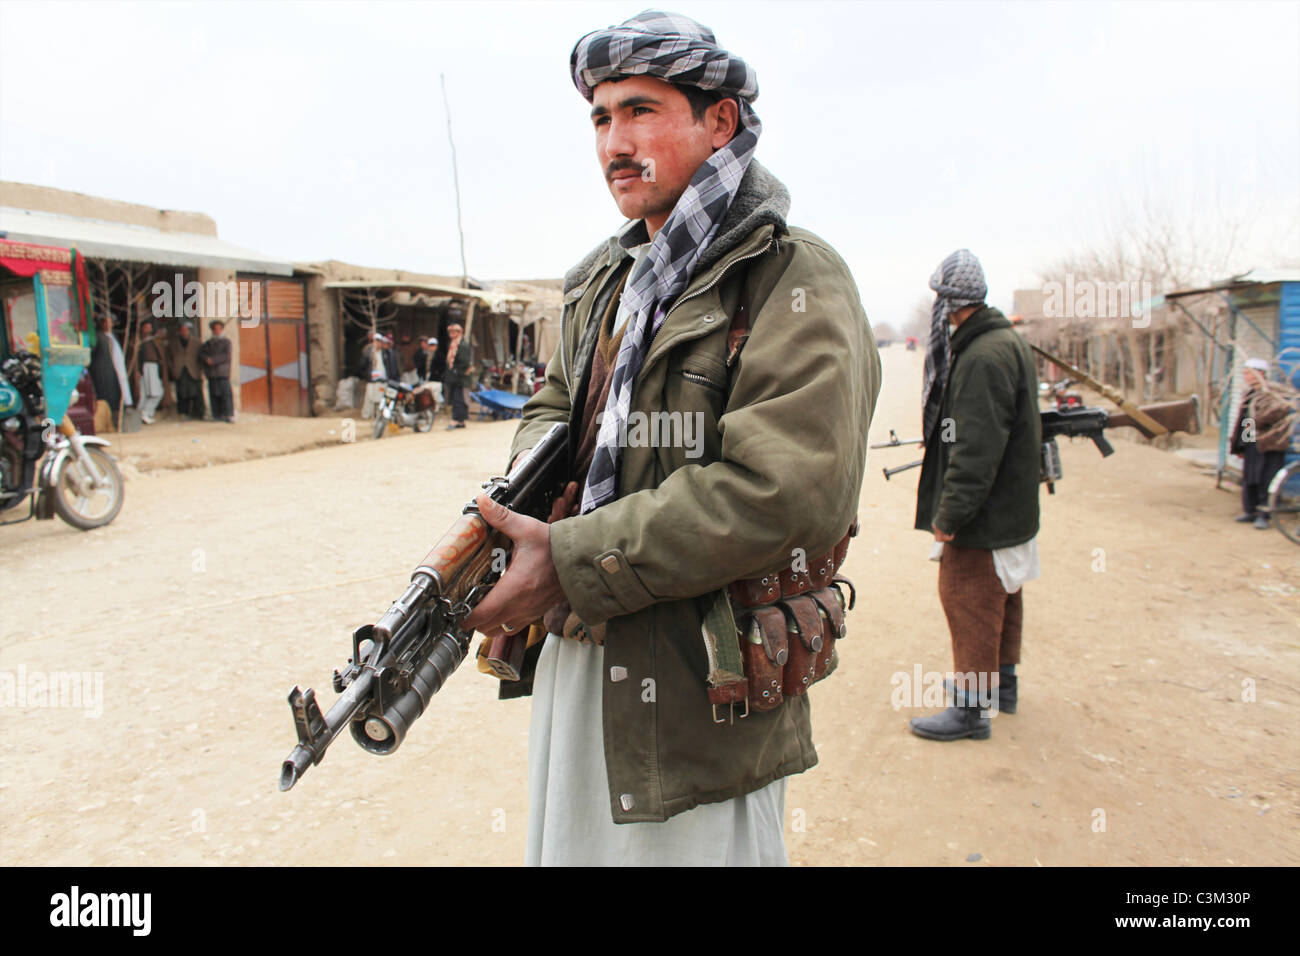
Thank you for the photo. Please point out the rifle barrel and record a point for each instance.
(338, 717)
(909, 465)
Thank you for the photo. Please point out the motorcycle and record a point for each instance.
(77, 480)
(1066, 400)
(44, 348)
(406, 407)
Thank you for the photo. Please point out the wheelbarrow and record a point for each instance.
(497, 404)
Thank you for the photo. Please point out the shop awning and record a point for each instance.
(488, 297)
(114, 240)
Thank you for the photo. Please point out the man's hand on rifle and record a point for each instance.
(942, 535)
(530, 585)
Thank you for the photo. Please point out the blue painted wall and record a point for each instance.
(1288, 346)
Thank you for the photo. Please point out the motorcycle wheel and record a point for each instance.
(101, 505)
(424, 420)
(1284, 505)
(381, 423)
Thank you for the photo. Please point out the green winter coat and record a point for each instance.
(783, 453)
(980, 477)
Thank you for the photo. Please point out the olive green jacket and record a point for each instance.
(780, 466)
(979, 480)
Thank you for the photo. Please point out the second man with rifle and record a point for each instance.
(978, 492)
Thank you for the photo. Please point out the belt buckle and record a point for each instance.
(731, 708)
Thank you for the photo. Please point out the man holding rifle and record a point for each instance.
(629, 760)
(978, 491)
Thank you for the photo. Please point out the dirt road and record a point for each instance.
(1157, 724)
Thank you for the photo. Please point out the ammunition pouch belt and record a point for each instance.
(787, 623)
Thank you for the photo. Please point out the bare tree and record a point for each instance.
(1155, 244)
(121, 288)
(367, 309)
(918, 325)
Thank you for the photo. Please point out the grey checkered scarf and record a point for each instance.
(959, 281)
(677, 49)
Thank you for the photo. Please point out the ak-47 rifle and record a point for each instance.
(399, 663)
(1090, 422)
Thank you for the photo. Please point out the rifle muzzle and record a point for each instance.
(295, 766)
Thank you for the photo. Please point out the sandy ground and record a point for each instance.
(1157, 722)
(172, 443)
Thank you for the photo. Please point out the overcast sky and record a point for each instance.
(317, 130)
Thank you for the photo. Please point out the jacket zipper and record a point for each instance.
(701, 380)
(698, 292)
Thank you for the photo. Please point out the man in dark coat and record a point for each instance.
(108, 370)
(389, 358)
(183, 366)
(978, 492)
(1261, 437)
(456, 380)
(423, 353)
(215, 354)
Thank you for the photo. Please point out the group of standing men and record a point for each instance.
(179, 358)
(448, 368)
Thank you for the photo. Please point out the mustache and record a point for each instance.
(619, 165)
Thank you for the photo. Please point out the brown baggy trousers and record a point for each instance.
(983, 618)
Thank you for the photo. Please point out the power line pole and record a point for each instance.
(455, 176)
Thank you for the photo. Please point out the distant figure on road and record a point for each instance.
(457, 377)
(215, 354)
(1261, 438)
(430, 366)
(389, 357)
(373, 373)
(149, 359)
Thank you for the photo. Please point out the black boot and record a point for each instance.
(957, 722)
(1004, 695)
(1007, 693)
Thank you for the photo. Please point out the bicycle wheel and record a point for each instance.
(1284, 501)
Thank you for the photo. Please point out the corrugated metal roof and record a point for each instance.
(1253, 277)
(486, 296)
(114, 240)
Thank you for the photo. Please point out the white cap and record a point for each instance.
(1258, 364)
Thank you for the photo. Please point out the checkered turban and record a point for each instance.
(958, 282)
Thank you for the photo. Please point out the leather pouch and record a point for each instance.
(765, 650)
(806, 641)
(830, 607)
